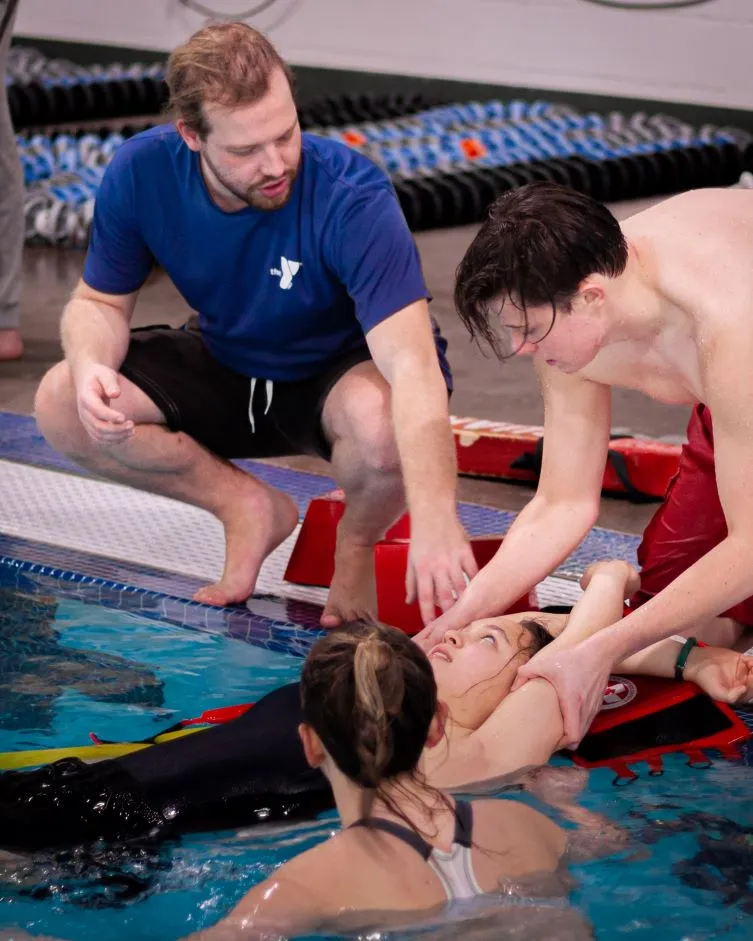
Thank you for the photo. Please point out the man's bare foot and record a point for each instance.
(11, 345)
(256, 528)
(352, 594)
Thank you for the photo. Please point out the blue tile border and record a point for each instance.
(284, 626)
(21, 441)
(99, 567)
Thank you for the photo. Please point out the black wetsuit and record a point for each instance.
(250, 770)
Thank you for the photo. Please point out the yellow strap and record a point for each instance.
(13, 760)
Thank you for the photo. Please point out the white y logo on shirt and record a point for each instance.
(289, 271)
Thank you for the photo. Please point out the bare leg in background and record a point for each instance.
(11, 212)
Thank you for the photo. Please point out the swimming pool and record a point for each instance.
(82, 655)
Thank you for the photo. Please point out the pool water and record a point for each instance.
(68, 668)
(75, 660)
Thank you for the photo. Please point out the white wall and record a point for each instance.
(697, 54)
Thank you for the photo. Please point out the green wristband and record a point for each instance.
(682, 656)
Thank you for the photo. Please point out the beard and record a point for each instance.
(252, 195)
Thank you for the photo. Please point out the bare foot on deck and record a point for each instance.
(352, 594)
(256, 528)
(11, 345)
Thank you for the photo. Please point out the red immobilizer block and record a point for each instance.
(312, 561)
(391, 560)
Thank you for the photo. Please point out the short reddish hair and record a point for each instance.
(229, 64)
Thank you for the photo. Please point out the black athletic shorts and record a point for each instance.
(230, 414)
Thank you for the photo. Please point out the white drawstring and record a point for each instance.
(269, 388)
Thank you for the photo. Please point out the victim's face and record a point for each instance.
(475, 667)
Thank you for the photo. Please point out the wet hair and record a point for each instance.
(228, 64)
(537, 245)
(539, 636)
(369, 693)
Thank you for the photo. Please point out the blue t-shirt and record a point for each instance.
(279, 295)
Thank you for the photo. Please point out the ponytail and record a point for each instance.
(368, 691)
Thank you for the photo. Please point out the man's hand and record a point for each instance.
(580, 675)
(724, 675)
(96, 387)
(440, 565)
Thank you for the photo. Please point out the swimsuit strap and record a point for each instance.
(463, 830)
(463, 823)
(454, 869)
(408, 836)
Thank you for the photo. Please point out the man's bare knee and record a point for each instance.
(380, 451)
(57, 415)
(56, 385)
(367, 430)
(375, 444)
(55, 408)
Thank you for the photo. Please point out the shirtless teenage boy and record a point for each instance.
(662, 304)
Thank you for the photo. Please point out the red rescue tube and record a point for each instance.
(638, 468)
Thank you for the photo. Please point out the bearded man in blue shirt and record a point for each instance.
(311, 333)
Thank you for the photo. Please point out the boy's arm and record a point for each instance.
(714, 583)
(577, 421)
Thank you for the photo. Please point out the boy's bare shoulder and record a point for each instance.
(710, 204)
(701, 242)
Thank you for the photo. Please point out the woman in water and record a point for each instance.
(369, 712)
(254, 768)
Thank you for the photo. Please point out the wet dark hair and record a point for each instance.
(537, 245)
(540, 636)
(369, 693)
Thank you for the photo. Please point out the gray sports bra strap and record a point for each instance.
(463, 823)
(402, 833)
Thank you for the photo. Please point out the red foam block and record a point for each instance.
(312, 561)
(490, 449)
(391, 560)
